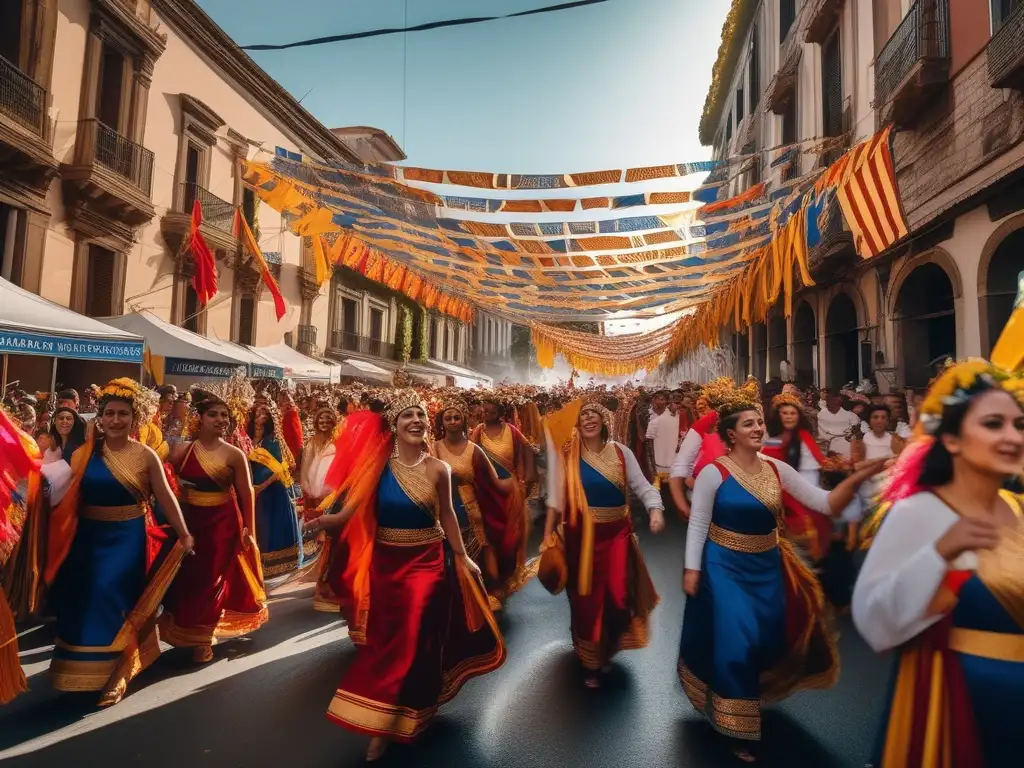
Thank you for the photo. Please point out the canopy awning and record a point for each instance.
(299, 366)
(363, 369)
(464, 377)
(31, 325)
(178, 351)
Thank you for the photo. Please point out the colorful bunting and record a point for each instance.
(244, 233)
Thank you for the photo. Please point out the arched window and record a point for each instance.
(841, 331)
(926, 323)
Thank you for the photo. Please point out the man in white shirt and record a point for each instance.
(662, 442)
(833, 423)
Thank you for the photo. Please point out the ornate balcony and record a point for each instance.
(914, 65)
(782, 87)
(1006, 52)
(109, 183)
(363, 345)
(218, 220)
(822, 19)
(26, 156)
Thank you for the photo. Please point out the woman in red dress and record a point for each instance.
(414, 601)
(219, 593)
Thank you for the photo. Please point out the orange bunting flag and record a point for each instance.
(204, 278)
(244, 233)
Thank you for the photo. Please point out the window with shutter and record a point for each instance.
(247, 320)
(755, 72)
(740, 104)
(832, 87)
(191, 319)
(787, 15)
(99, 299)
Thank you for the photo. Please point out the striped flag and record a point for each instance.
(865, 181)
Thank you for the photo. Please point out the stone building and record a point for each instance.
(948, 75)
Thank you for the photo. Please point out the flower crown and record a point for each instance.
(129, 391)
(786, 398)
(953, 387)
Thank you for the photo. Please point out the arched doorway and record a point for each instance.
(841, 342)
(926, 322)
(1001, 285)
(760, 368)
(805, 345)
(776, 343)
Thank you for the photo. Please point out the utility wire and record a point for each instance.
(418, 28)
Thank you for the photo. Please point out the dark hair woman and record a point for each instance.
(943, 582)
(67, 431)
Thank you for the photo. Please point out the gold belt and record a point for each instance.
(608, 514)
(409, 536)
(751, 544)
(205, 498)
(111, 514)
(1001, 646)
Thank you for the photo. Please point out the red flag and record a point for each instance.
(244, 233)
(204, 278)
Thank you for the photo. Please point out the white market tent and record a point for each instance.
(299, 366)
(363, 369)
(178, 351)
(464, 377)
(31, 325)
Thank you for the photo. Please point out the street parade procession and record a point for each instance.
(316, 451)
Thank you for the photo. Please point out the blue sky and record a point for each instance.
(607, 86)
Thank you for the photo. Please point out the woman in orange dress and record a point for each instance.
(506, 526)
(418, 612)
(219, 593)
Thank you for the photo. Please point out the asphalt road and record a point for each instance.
(262, 702)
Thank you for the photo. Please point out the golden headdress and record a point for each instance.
(236, 393)
(128, 391)
(401, 400)
(594, 404)
(953, 386)
(455, 404)
(786, 398)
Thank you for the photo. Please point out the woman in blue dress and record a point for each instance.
(754, 628)
(943, 582)
(108, 564)
(277, 518)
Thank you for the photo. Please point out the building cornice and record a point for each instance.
(192, 23)
(734, 35)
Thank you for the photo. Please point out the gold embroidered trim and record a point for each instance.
(417, 486)
(216, 469)
(1002, 569)
(461, 463)
(606, 463)
(205, 498)
(1000, 646)
(763, 486)
(742, 542)
(470, 541)
(111, 514)
(409, 536)
(609, 514)
(376, 717)
(695, 689)
(128, 466)
(740, 718)
(501, 449)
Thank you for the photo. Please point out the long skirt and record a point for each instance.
(615, 615)
(419, 650)
(277, 531)
(507, 529)
(218, 593)
(105, 603)
(753, 633)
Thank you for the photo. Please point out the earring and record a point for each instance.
(394, 449)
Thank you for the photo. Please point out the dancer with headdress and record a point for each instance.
(943, 582)
(476, 485)
(611, 595)
(754, 628)
(107, 563)
(317, 455)
(271, 463)
(218, 594)
(413, 597)
(507, 527)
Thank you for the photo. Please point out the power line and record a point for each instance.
(418, 28)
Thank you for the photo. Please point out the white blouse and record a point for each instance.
(643, 490)
(903, 571)
(704, 490)
(314, 470)
(687, 455)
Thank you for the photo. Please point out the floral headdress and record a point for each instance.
(237, 394)
(786, 398)
(402, 400)
(128, 391)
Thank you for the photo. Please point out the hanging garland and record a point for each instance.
(424, 335)
(403, 344)
(601, 355)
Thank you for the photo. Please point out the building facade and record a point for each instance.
(116, 116)
(947, 75)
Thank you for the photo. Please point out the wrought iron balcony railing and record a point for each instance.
(102, 145)
(22, 99)
(216, 212)
(364, 345)
(922, 36)
(1006, 52)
